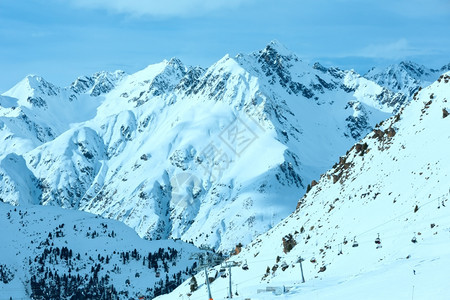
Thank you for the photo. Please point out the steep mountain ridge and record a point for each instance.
(97, 84)
(175, 151)
(378, 218)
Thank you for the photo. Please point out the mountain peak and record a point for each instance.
(320, 67)
(276, 57)
(445, 68)
(227, 64)
(404, 77)
(176, 65)
(276, 47)
(34, 78)
(408, 63)
(31, 85)
(414, 68)
(104, 74)
(34, 81)
(153, 70)
(99, 83)
(175, 61)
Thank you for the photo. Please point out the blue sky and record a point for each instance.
(63, 39)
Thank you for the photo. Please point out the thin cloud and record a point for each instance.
(399, 49)
(157, 8)
(395, 50)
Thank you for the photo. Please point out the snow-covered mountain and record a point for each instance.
(35, 111)
(53, 253)
(215, 156)
(392, 185)
(405, 77)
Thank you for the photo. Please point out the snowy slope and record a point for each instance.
(18, 184)
(394, 184)
(59, 254)
(176, 151)
(405, 77)
(35, 111)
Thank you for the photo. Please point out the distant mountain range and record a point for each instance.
(214, 156)
(405, 77)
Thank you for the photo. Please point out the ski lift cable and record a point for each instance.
(240, 282)
(366, 231)
(339, 245)
(396, 217)
(334, 244)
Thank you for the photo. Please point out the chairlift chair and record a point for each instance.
(378, 240)
(222, 272)
(313, 260)
(355, 243)
(414, 239)
(245, 266)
